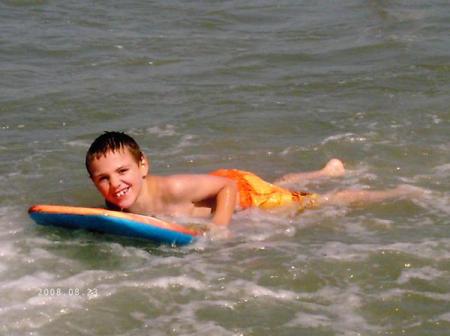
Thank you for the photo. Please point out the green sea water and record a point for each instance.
(267, 86)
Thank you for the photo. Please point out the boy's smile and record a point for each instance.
(118, 177)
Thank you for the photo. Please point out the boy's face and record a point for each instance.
(118, 177)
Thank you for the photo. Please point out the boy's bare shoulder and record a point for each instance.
(179, 184)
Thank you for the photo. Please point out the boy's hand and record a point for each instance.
(218, 232)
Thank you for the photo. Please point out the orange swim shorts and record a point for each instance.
(255, 192)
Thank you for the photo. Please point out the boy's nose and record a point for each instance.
(114, 182)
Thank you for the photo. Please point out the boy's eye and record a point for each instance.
(123, 170)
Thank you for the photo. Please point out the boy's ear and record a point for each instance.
(144, 166)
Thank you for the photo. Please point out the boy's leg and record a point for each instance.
(333, 168)
(348, 197)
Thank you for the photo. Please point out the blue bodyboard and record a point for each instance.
(113, 222)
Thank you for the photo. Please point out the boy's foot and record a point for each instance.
(409, 191)
(334, 168)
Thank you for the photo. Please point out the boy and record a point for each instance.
(120, 172)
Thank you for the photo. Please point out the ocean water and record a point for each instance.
(268, 86)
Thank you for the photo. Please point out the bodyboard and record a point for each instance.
(113, 222)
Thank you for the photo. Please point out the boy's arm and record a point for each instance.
(197, 188)
(225, 203)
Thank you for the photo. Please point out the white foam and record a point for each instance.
(8, 250)
(57, 297)
(167, 130)
(442, 170)
(435, 250)
(444, 317)
(184, 322)
(348, 137)
(335, 308)
(20, 322)
(424, 273)
(86, 279)
(36, 312)
(186, 141)
(126, 251)
(40, 254)
(436, 119)
(310, 320)
(245, 290)
(78, 143)
(29, 282)
(397, 292)
(179, 281)
(436, 201)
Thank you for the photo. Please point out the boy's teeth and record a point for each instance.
(121, 193)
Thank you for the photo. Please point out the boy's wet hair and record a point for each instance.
(112, 142)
